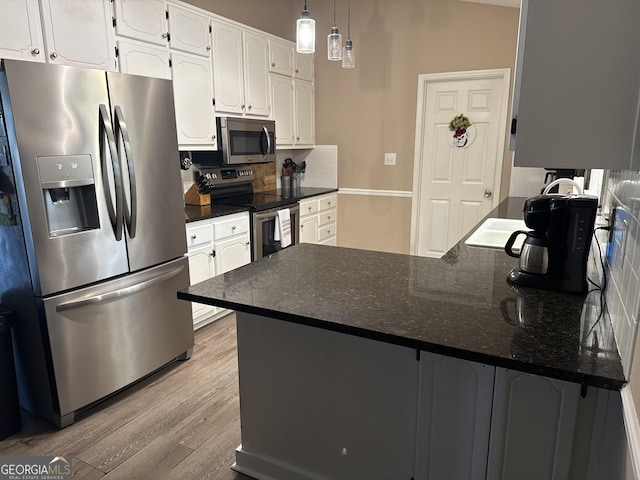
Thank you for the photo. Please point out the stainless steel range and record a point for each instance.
(233, 186)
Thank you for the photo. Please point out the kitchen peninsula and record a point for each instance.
(361, 364)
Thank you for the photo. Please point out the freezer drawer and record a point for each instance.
(106, 336)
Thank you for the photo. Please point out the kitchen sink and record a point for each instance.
(495, 232)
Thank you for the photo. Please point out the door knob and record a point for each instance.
(488, 193)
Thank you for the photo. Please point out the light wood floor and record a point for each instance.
(180, 423)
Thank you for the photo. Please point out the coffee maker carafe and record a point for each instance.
(562, 227)
(534, 253)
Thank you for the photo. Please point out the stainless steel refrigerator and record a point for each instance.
(92, 232)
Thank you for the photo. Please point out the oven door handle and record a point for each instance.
(274, 211)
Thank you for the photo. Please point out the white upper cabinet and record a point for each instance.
(144, 20)
(280, 57)
(303, 67)
(21, 31)
(78, 32)
(577, 84)
(240, 60)
(282, 104)
(193, 99)
(304, 113)
(143, 59)
(228, 72)
(256, 66)
(189, 31)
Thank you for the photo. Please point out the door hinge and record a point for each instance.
(170, 63)
(169, 37)
(210, 29)
(514, 125)
(166, 14)
(418, 354)
(213, 253)
(213, 101)
(117, 52)
(113, 21)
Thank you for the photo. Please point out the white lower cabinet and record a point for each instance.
(318, 219)
(216, 246)
(454, 418)
(476, 421)
(532, 427)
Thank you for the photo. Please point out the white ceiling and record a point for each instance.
(502, 3)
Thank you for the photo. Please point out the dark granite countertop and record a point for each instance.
(460, 305)
(193, 213)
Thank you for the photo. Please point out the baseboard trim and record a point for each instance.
(632, 427)
(376, 193)
(262, 468)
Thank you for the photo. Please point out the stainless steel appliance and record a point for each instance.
(95, 254)
(240, 141)
(233, 186)
(563, 226)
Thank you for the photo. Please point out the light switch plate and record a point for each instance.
(389, 158)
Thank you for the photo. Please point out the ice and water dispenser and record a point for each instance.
(68, 189)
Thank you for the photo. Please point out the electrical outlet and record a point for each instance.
(389, 158)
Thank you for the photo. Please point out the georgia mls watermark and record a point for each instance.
(35, 468)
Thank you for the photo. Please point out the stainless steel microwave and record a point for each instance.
(246, 140)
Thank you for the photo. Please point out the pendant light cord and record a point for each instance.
(348, 19)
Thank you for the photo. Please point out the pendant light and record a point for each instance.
(348, 54)
(334, 40)
(305, 32)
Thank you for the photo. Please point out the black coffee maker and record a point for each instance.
(555, 253)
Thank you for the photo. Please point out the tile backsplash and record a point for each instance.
(621, 204)
(526, 182)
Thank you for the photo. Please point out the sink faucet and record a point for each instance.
(560, 180)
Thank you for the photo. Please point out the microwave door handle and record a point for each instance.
(266, 134)
(130, 212)
(106, 130)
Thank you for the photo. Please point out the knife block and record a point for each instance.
(194, 197)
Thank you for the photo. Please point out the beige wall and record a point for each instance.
(372, 109)
(274, 16)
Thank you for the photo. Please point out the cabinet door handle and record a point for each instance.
(247, 243)
(208, 47)
(329, 217)
(54, 55)
(309, 207)
(242, 106)
(273, 64)
(514, 125)
(193, 237)
(165, 35)
(249, 107)
(233, 227)
(35, 51)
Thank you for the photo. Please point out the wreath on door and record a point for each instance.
(464, 132)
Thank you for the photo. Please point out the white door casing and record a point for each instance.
(454, 188)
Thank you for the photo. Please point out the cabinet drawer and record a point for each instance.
(325, 232)
(197, 236)
(308, 207)
(230, 227)
(328, 202)
(327, 217)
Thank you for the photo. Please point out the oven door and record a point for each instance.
(264, 225)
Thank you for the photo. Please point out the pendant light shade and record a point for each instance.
(348, 54)
(305, 32)
(334, 40)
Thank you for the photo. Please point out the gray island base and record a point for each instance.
(366, 365)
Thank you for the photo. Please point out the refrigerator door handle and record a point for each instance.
(122, 292)
(106, 130)
(130, 211)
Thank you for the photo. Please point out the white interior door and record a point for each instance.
(456, 183)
